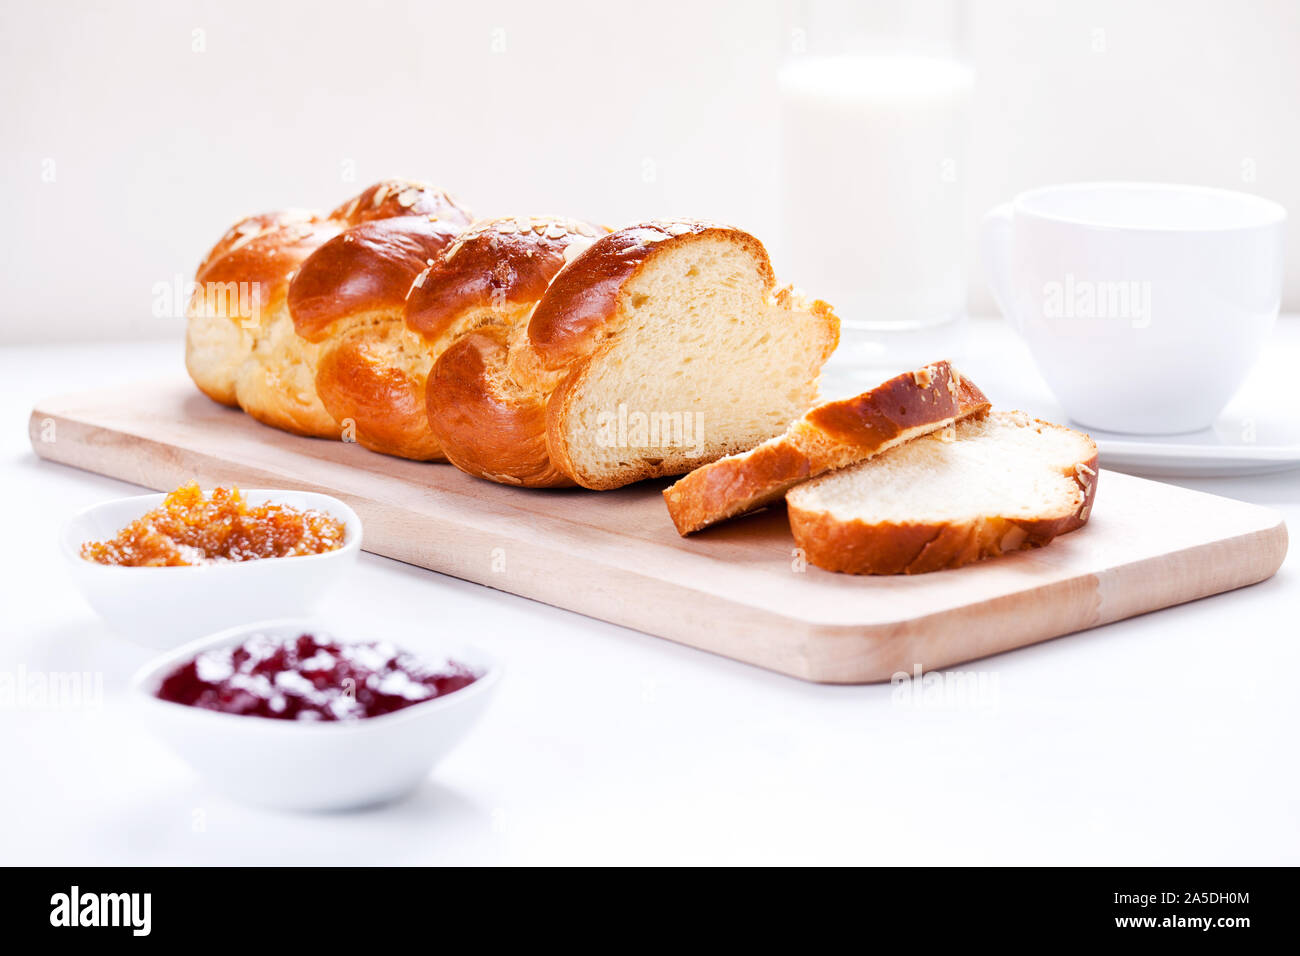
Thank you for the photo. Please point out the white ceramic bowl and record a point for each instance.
(298, 765)
(164, 607)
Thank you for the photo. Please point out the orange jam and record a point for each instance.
(193, 528)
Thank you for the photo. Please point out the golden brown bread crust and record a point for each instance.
(262, 251)
(571, 319)
(487, 425)
(368, 268)
(831, 435)
(395, 198)
(911, 400)
(240, 300)
(349, 299)
(274, 237)
(488, 420)
(255, 359)
(495, 264)
(858, 547)
(374, 400)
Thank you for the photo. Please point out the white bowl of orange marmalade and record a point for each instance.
(163, 569)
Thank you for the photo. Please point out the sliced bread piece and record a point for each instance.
(675, 348)
(999, 483)
(833, 435)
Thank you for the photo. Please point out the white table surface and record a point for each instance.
(1166, 739)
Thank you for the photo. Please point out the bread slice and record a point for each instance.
(999, 483)
(677, 349)
(833, 435)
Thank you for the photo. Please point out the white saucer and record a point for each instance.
(1205, 454)
(1258, 433)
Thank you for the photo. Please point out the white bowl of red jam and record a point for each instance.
(289, 715)
(162, 570)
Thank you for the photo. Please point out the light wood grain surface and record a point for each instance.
(738, 590)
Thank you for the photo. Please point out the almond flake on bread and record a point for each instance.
(1007, 483)
(832, 435)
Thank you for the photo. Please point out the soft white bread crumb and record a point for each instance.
(704, 343)
(1008, 481)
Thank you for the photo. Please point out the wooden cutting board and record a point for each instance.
(738, 590)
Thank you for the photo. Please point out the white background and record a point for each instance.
(611, 111)
(1165, 739)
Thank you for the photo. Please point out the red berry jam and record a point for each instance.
(306, 678)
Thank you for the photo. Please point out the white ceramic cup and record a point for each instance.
(1144, 305)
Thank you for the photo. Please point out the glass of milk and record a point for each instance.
(874, 104)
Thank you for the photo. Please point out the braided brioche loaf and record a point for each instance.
(479, 295)
(533, 351)
(245, 348)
